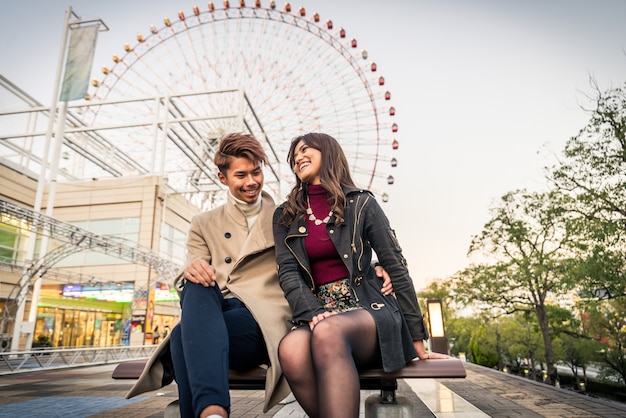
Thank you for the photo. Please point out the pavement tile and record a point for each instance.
(503, 395)
(91, 392)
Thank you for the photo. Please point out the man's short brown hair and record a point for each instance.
(238, 145)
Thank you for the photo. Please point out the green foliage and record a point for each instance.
(482, 349)
(459, 331)
(600, 272)
(561, 320)
(593, 173)
(538, 247)
(595, 160)
(606, 322)
(578, 353)
(523, 338)
(530, 239)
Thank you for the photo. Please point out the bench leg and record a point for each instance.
(388, 404)
(388, 389)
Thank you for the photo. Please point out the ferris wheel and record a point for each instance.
(285, 71)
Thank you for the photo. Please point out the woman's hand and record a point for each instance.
(425, 355)
(319, 318)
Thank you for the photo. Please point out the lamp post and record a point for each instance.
(438, 340)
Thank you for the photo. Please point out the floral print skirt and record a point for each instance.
(337, 296)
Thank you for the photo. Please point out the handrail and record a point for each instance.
(46, 359)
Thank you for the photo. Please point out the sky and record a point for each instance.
(487, 92)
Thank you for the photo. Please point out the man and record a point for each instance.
(234, 313)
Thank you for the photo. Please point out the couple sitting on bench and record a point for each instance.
(333, 314)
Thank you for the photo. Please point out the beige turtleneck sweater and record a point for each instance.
(250, 210)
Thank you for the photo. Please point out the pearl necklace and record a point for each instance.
(312, 217)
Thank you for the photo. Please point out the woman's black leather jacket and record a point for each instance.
(398, 317)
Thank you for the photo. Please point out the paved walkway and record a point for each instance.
(91, 392)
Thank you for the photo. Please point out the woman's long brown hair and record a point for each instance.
(334, 174)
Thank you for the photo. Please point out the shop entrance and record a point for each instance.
(58, 327)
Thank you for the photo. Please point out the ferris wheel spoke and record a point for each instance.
(296, 75)
(197, 68)
(179, 76)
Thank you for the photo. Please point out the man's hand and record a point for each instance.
(387, 288)
(200, 272)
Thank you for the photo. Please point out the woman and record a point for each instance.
(325, 233)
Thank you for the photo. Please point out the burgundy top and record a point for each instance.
(326, 264)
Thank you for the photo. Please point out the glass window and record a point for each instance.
(173, 244)
(13, 242)
(125, 230)
(8, 242)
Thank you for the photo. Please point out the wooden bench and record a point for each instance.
(371, 379)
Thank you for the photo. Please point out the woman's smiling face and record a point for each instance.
(307, 163)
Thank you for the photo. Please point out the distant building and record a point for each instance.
(88, 296)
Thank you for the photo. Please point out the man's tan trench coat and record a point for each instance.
(245, 265)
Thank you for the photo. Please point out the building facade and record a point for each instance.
(89, 295)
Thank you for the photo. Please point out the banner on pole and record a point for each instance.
(78, 63)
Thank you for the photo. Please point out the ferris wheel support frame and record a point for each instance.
(336, 42)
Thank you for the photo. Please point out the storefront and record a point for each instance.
(78, 327)
(78, 316)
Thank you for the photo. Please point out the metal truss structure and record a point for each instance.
(72, 239)
(118, 147)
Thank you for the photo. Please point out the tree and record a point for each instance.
(577, 353)
(460, 330)
(606, 321)
(524, 341)
(482, 347)
(573, 345)
(529, 239)
(593, 173)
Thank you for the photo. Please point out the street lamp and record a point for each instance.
(438, 340)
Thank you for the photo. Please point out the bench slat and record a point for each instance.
(129, 369)
(440, 368)
(446, 368)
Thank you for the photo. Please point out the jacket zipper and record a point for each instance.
(300, 261)
(357, 217)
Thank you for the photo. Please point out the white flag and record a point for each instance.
(78, 63)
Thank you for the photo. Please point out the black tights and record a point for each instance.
(321, 365)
